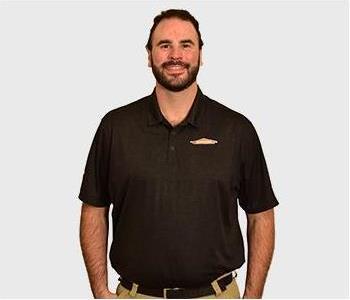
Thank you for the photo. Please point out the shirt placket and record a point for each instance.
(171, 149)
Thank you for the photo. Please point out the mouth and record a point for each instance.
(175, 69)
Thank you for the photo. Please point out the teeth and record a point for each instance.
(175, 67)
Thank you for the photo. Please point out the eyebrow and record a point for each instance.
(189, 41)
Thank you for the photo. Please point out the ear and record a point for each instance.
(149, 58)
(200, 57)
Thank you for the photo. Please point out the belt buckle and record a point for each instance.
(166, 289)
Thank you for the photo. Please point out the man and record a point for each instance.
(173, 164)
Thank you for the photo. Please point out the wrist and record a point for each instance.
(101, 293)
(252, 295)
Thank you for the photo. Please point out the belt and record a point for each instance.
(181, 293)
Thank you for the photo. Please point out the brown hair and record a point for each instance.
(174, 13)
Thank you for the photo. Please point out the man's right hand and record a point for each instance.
(106, 295)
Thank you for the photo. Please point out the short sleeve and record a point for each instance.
(255, 192)
(94, 186)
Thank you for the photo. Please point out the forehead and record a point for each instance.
(174, 29)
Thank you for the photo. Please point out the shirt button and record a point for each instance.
(172, 148)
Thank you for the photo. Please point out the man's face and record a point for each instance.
(175, 55)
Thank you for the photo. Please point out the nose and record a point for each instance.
(175, 53)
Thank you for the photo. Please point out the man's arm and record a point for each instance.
(93, 241)
(261, 242)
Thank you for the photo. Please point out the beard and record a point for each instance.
(175, 83)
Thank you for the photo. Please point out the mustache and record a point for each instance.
(175, 63)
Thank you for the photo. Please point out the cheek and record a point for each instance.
(159, 58)
(191, 58)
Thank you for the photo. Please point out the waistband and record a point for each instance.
(217, 286)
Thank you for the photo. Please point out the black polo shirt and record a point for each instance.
(174, 200)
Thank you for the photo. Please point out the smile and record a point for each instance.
(175, 67)
(175, 70)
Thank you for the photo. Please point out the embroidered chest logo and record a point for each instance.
(203, 141)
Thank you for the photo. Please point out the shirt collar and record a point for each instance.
(155, 115)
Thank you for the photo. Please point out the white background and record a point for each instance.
(63, 65)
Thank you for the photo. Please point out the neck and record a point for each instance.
(175, 105)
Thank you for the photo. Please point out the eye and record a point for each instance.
(186, 45)
(164, 46)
